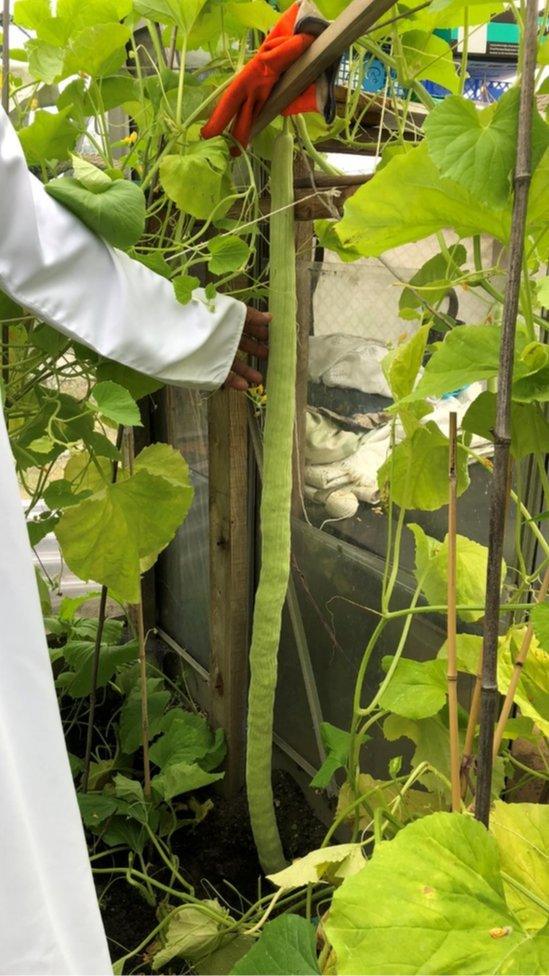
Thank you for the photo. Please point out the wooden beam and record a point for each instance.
(229, 576)
(354, 21)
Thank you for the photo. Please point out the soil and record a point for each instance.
(221, 849)
(218, 856)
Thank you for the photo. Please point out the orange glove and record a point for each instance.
(247, 94)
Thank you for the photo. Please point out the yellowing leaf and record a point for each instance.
(338, 861)
(522, 835)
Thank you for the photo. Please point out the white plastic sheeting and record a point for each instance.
(53, 266)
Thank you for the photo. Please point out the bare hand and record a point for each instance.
(254, 342)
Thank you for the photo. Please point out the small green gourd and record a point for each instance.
(275, 508)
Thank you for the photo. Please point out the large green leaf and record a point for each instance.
(467, 354)
(182, 777)
(79, 655)
(287, 945)
(129, 728)
(197, 179)
(50, 136)
(430, 901)
(471, 567)
(180, 12)
(417, 689)
(115, 403)
(477, 148)
(97, 50)
(529, 428)
(408, 200)
(137, 384)
(522, 835)
(117, 214)
(45, 61)
(417, 470)
(187, 738)
(255, 14)
(428, 57)
(107, 535)
(227, 254)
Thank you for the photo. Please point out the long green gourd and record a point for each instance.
(275, 508)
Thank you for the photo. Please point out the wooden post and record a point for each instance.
(229, 576)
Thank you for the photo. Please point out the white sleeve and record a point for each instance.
(51, 264)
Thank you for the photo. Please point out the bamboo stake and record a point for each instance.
(451, 675)
(141, 640)
(517, 670)
(502, 437)
(467, 758)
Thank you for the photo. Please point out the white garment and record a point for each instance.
(51, 264)
(348, 361)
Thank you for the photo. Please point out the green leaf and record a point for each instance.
(529, 428)
(471, 567)
(532, 694)
(50, 136)
(117, 214)
(227, 254)
(255, 14)
(468, 353)
(79, 655)
(444, 910)
(533, 387)
(69, 605)
(428, 57)
(107, 535)
(417, 470)
(40, 528)
(90, 176)
(402, 364)
(45, 61)
(180, 12)
(129, 729)
(183, 286)
(189, 933)
(477, 148)
(182, 777)
(542, 292)
(386, 795)
(287, 945)
(522, 835)
(196, 180)
(336, 742)
(115, 403)
(540, 622)
(137, 384)
(468, 652)
(187, 738)
(97, 50)
(432, 281)
(60, 494)
(417, 688)
(328, 865)
(408, 200)
(95, 808)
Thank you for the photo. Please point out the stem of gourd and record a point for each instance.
(181, 82)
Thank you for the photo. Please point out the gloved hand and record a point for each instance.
(247, 94)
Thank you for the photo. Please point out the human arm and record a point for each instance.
(52, 265)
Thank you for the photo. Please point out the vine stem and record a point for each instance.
(502, 436)
(97, 649)
(452, 674)
(517, 670)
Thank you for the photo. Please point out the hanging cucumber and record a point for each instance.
(275, 508)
